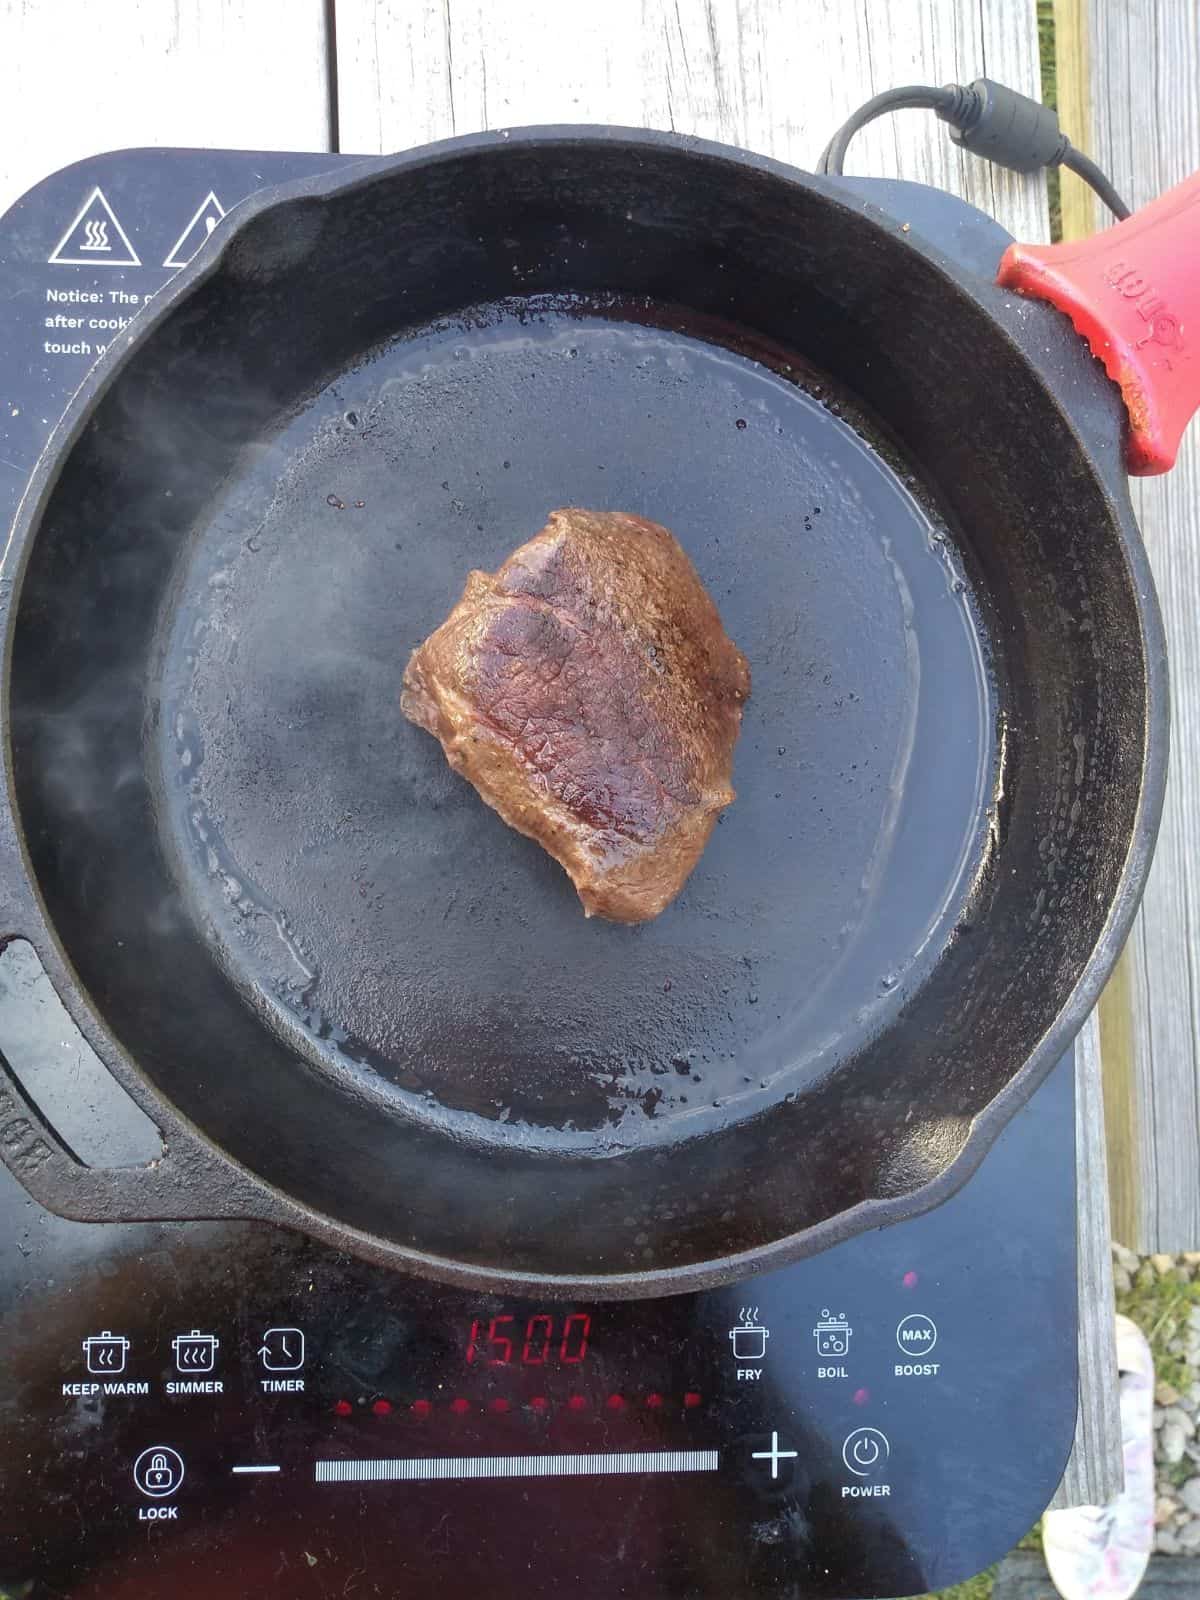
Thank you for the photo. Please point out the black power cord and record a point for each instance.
(990, 120)
(1084, 167)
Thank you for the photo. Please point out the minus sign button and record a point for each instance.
(254, 1469)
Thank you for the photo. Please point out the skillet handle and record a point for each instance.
(1133, 292)
(185, 1182)
(190, 1179)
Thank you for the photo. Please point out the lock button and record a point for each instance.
(158, 1471)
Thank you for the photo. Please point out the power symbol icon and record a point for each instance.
(866, 1452)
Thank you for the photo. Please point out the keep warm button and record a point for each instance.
(866, 1453)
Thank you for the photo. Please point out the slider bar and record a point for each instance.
(254, 1469)
(606, 1464)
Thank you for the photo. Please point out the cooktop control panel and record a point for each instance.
(230, 1404)
(231, 1410)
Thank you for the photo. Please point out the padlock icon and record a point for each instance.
(158, 1471)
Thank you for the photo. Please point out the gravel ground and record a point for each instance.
(1162, 1295)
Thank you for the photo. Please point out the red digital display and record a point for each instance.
(537, 1341)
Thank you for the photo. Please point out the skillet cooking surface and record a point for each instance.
(354, 880)
(298, 934)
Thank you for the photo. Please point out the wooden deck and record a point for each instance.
(777, 76)
(1133, 71)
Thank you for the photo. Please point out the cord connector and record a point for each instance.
(991, 120)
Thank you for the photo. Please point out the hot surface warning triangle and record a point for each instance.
(203, 220)
(95, 238)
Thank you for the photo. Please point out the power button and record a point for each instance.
(866, 1452)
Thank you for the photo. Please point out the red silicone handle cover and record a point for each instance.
(1133, 292)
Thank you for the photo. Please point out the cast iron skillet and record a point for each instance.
(350, 996)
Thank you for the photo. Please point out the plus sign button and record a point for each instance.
(773, 1458)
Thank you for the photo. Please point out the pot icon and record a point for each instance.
(106, 1352)
(195, 1351)
(749, 1337)
(832, 1335)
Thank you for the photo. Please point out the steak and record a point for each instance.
(589, 692)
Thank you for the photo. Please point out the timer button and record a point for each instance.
(866, 1452)
(282, 1350)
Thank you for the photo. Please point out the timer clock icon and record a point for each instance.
(282, 1350)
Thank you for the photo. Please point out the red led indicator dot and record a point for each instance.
(460, 1407)
(344, 1408)
(500, 1406)
(538, 1403)
(910, 1280)
(577, 1403)
(420, 1408)
(861, 1396)
(654, 1401)
(615, 1402)
(691, 1400)
(382, 1408)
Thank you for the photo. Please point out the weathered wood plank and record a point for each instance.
(242, 74)
(755, 74)
(778, 77)
(1095, 1473)
(1072, 53)
(1144, 129)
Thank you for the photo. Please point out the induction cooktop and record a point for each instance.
(230, 1409)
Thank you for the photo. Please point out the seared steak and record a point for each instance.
(589, 692)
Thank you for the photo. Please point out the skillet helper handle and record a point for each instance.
(189, 1179)
(1133, 292)
(184, 1182)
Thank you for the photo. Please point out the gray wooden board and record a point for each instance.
(78, 79)
(1144, 72)
(1023, 1576)
(1095, 1472)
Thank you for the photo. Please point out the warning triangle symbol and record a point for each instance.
(95, 238)
(202, 222)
